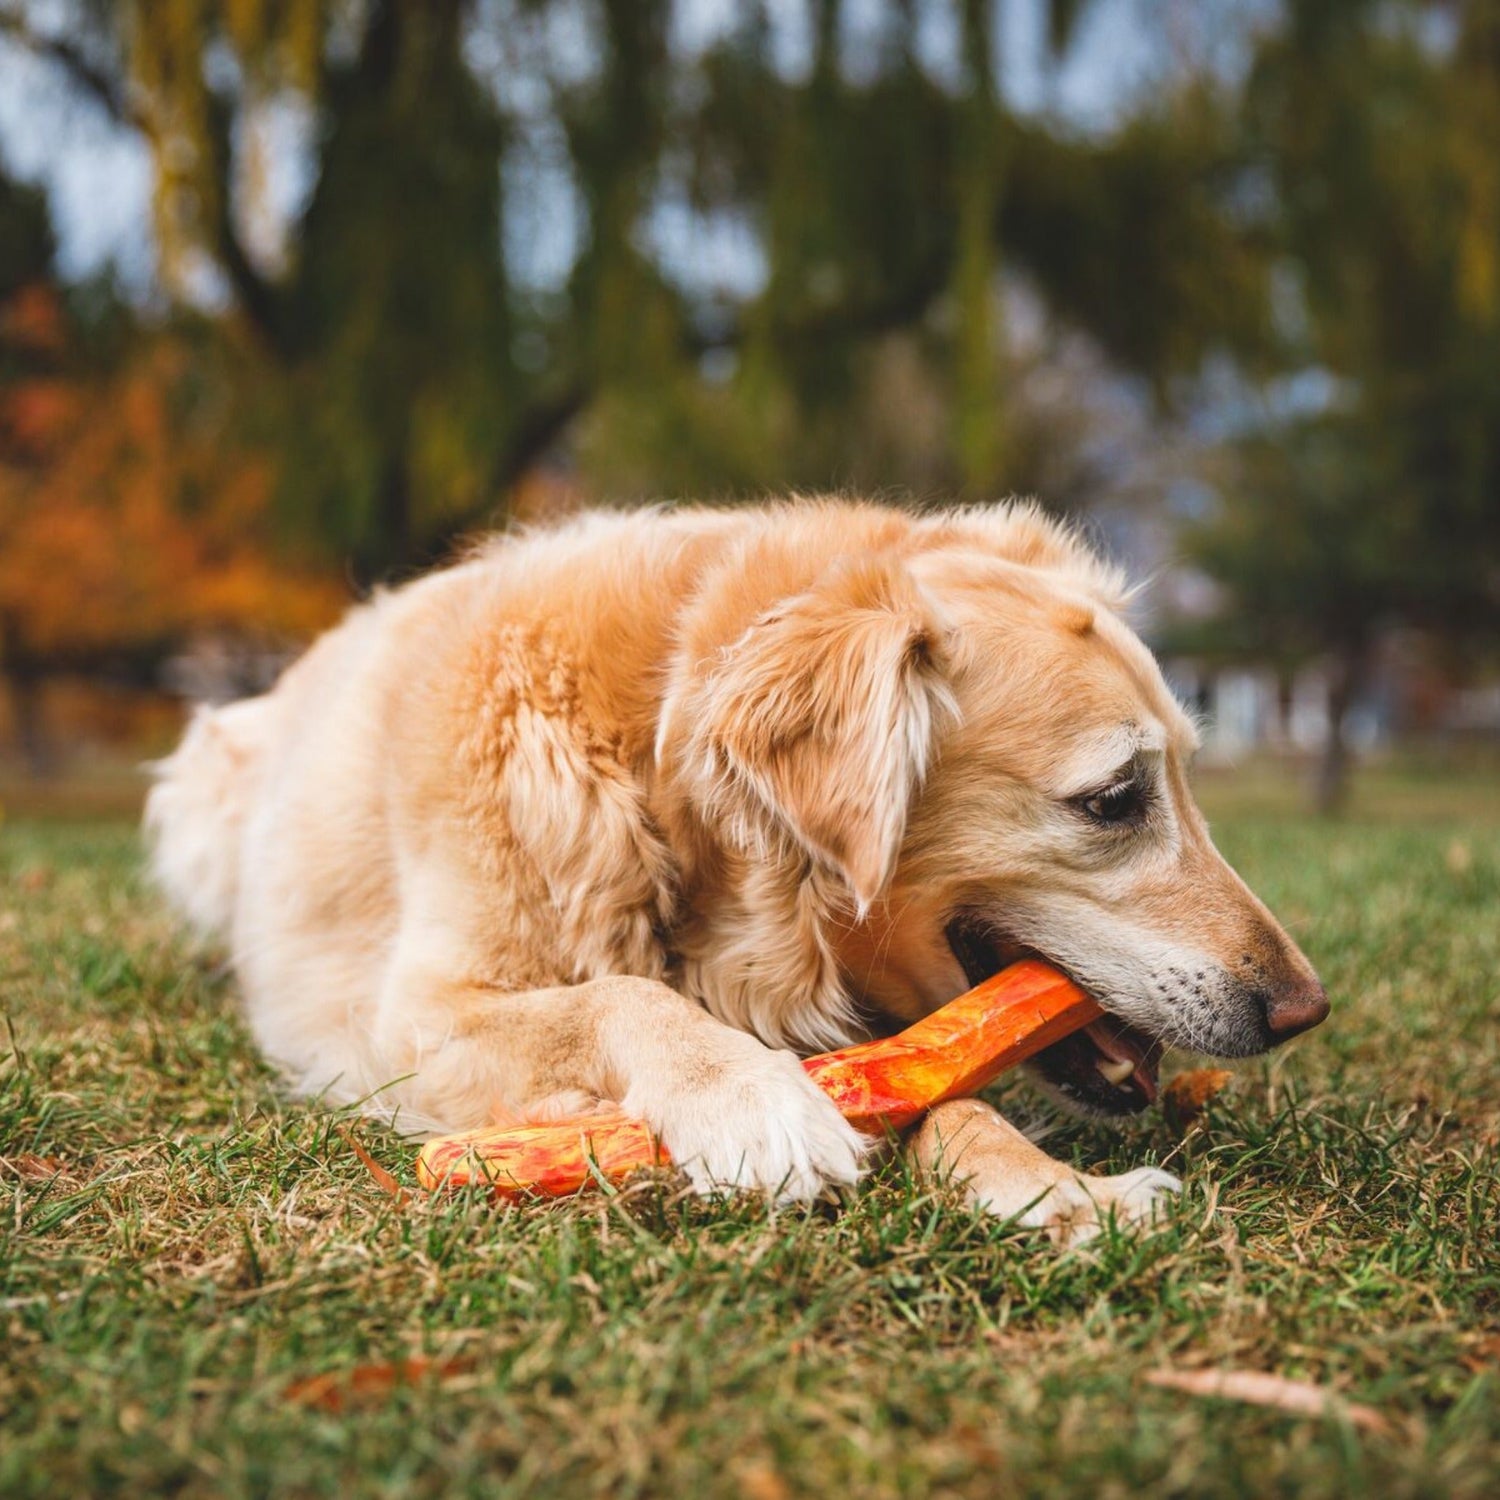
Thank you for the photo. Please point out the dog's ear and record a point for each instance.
(821, 716)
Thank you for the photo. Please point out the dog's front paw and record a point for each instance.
(756, 1122)
(1075, 1208)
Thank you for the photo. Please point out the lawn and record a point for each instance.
(181, 1250)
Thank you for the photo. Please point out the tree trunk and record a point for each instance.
(1350, 668)
(1285, 693)
(385, 547)
(38, 747)
(976, 387)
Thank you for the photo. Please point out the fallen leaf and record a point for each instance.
(1187, 1095)
(37, 878)
(977, 1446)
(760, 1481)
(1258, 1388)
(337, 1389)
(383, 1179)
(1482, 1355)
(35, 1168)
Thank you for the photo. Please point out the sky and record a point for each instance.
(98, 177)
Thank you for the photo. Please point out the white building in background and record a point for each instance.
(1245, 709)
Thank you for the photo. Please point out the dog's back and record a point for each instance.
(196, 811)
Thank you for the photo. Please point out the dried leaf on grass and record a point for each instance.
(1258, 1388)
(759, 1480)
(1482, 1354)
(383, 1179)
(32, 1168)
(1188, 1094)
(339, 1389)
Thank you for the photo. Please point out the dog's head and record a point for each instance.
(966, 732)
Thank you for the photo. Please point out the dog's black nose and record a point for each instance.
(1297, 1008)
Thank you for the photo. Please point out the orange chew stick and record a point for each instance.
(889, 1083)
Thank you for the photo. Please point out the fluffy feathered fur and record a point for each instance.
(620, 808)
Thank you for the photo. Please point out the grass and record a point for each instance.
(179, 1245)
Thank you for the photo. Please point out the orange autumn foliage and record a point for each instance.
(130, 521)
(32, 320)
(36, 416)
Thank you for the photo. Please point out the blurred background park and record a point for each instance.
(297, 294)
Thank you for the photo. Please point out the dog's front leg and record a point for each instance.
(733, 1112)
(1002, 1172)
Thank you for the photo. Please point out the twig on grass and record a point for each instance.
(1260, 1388)
(384, 1180)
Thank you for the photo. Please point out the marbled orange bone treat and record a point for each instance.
(886, 1084)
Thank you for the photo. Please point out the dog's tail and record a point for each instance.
(196, 812)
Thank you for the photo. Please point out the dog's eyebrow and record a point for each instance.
(1112, 758)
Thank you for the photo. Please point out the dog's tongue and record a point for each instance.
(1127, 1053)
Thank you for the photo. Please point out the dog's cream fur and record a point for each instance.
(631, 808)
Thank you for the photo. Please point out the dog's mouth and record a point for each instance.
(1107, 1068)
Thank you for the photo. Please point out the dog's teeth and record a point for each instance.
(1116, 1072)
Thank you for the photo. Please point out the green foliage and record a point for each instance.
(395, 328)
(410, 374)
(1383, 507)
(1337, 210)
(1377, 506)
(1139, 238)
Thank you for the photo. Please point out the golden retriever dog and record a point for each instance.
(641, 807)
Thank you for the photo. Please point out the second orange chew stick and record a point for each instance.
(889, 1083)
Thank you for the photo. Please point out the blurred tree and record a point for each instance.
(30, 398)
(1378, 503)
(130, 518)
(415, 362)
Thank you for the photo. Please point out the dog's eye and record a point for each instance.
(1126, 802)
